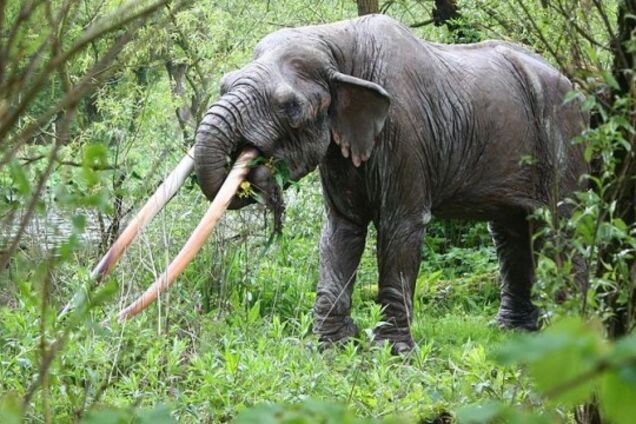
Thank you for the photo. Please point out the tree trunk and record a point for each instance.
(623, 71)
(444, 11)
(366, 7)
(624, 193)
(177, 74)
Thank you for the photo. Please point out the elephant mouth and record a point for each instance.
(289, 170)
(269, 175)
(295, 170)
(242, 145)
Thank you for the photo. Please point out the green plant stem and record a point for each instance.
(600, 368)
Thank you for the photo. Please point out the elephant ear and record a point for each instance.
(358, 111)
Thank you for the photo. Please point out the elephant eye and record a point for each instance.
(292, 108)
(289, 104)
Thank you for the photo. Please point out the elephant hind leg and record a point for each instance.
(513, 242)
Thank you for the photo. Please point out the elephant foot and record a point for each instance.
(402, 348)
(518, 317)
(400, 339)
(332, 334)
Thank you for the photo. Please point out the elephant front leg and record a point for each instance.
(398, 261)
(341, 246)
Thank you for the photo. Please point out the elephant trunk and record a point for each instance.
(217, 141)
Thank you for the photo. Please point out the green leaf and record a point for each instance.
(478, 414)
(579, 355)
(106, 416)
(571, 95)
(158, 415)
(588, 152)
(79, 223)
(20, 179)
(95, 155)
(10, 409)
(558, 358)
(263, 413)
(617, 396)
(329, 412)
(624, 349)
(254, 313)
(610, 80)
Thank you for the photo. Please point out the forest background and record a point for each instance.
(98, 101)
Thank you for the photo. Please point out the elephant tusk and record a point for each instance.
(159, 199)
(199, 235)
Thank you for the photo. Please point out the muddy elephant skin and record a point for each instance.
(402, 130)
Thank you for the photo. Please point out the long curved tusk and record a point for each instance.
(162, 195)
(199, 235)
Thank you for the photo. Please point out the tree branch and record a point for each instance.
(423, 23)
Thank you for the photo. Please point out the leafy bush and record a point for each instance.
(570, 363)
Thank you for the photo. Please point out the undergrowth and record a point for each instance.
(236, 331)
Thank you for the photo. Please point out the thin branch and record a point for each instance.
(494, 15)
(572, 22)
(45, 364)
(545, 42)
(85, 84)
(32, 159)
(103, 27)
(600, 368)
(23, 16)
(187, 49)
(2, 5)
(43, 311)
(386, 6)
(35, 198)
(70, 102)
(423, 23)
(608, 25)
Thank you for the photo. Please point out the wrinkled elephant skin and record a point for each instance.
(402, 130)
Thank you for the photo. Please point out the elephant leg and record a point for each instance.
(341, 246)
(399, 256)
(513, 242)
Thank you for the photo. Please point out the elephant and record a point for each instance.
(401, 130)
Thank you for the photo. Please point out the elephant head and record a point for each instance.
(290, 103)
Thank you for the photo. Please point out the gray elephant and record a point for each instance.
(401, 130)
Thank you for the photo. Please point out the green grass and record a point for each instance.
(236, 330)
